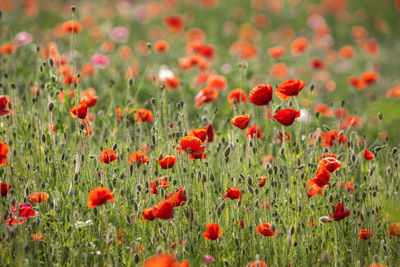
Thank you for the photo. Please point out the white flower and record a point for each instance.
(165, 73)
(83, 224)
(304, 116)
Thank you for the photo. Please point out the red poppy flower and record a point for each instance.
(365, 234)
(238, 95)
(107, 156)
(262, 182)
(174, 23)
(368, 155)
(148, 214)
(339, 213)
(332, 137)
(79, 110)
(20, 215)
(138, 157)
(322, 176)
(216, 82)
(261, 95)
(266, 230)
(4, 188)
(161, 46)
(99, 196)
(198, 154)
(314, 189)
(89, 97)
(4, 106)
(172, 83)
(142, 114)
(189, 144)
(329, 163)
(289, 88)
(38, 197)
(3, 154)
(199, 133)
(233, 193)
(206, 95)
(356, 82)
(286, 116)
(178, 198)
(158, 182)
(164, 210)
(241, 121)
(167, 161)
(210, 132)
(254, 130)
(213, 231)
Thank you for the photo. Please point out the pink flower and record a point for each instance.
(19, 216)
(23, 38)
(119, 34)
(100, 60)
(208, 259)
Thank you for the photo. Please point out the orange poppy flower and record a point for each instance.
(289, 88)
(394, 229)
(238, 95)
(158, 182)
(172, 83)
(213, 231)
(368, 155)
(167, 161)
(206, 95)
(138, 157)
(164, 210)
(164, 260)
(216, 82)
(71, 26)
(279, 71)
(89, 97)
(299, 46)
(79, 110)
(241, 121)
(350, 186)
(98, 196)
(107, 156)
(365, 234)
(370, 77)
(357, 83)
(7, 48)
(394, 92)
(38, 197)
(276, 52)
(257, 264)
(286, 117)
(3, 154)
(178, 198)
(266, 230)
(321, 178)
(189, 144)
(324, 109)
(4, 188)
(254, 130)
(346, 51)
(37, 237)
(261, 95)
(161, 46)
(142, 114)
(233, 193)
(174, 23)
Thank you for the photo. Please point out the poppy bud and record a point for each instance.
(312, 86)
(139, 187)
(73, 9)
(394, 151)
(325, 219)
(380, 116)
(291, 230)
(136, 258)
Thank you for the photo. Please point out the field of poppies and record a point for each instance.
(172, 133)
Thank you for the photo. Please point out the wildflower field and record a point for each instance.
(199, 132)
